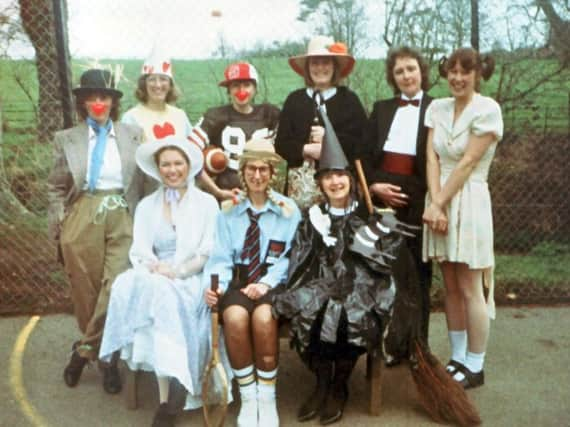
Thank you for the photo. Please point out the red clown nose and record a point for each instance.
(98, 108)
(242, 95)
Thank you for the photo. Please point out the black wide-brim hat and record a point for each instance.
(97, 80)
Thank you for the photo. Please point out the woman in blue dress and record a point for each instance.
(156, 317)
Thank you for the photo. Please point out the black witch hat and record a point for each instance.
(332, 156)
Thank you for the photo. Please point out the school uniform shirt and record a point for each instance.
(276, 232)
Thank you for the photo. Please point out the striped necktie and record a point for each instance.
(251, 248)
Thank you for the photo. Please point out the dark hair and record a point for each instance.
(244, 80)
(405, 52)
(82, 110)
(352, 194)
(170, 147)
(336, 78)
(470, 60)
(142, 95)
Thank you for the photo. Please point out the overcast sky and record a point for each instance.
(181, 28)
(187, 28)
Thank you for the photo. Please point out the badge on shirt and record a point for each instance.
(274, 251)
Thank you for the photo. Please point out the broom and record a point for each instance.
(443, 398)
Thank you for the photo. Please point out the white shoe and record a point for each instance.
(248, 413)
(268, 416)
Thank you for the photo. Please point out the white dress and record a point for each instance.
(159, 324)
(470, 231)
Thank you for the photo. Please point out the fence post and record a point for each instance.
(63, 65)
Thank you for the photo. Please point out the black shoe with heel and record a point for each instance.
(338, 392)
(316, 401)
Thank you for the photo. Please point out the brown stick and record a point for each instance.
(364, 185)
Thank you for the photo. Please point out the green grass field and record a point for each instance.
(197, 80)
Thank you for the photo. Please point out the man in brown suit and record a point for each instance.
(93, 189)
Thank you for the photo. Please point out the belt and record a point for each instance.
(397, 163)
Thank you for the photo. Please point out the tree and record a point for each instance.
(38, 22)
(559, 29)
(343, 20)
(434, 27)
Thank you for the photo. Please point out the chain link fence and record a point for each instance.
(529, 178)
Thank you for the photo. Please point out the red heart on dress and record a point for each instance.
(165, 67)
(163, 131)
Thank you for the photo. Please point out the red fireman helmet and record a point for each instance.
(239, 71)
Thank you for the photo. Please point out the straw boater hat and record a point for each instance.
(324, 46)
(97, 80)
(157, 64)
(146, 162)
(259, 149)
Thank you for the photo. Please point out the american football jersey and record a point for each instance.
(229, 129)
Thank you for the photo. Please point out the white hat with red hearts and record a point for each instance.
(157, 64)
(239, 71)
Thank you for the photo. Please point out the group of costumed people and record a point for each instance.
(144, 215)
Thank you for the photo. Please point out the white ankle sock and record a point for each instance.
(474, 361)
(268, 415)
(248, 391)
(458, 341)
(266, 383)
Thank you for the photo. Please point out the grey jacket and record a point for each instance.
(67, 176)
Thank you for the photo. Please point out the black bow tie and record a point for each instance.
(403, 102)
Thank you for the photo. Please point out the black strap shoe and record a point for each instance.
(453, 366)
(74, 368)
(471, 379)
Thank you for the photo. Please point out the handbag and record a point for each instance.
(302, 186)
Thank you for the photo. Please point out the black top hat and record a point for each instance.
(332, 155)
(96, 80)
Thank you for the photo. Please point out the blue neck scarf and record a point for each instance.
(98, 153)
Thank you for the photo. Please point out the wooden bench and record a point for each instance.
(373, 375)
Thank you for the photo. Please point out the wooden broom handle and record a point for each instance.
(364, 185)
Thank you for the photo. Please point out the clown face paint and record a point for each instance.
(241, 93)
(98, 107)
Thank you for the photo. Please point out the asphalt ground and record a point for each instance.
(527, 379)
